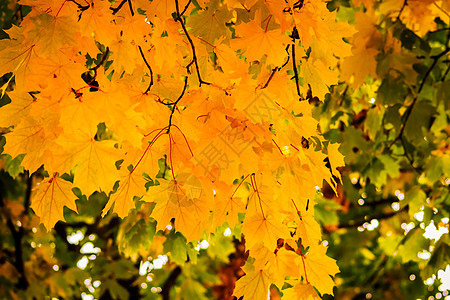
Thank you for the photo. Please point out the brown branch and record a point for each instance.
(294, 65)
(131, 7)
(17, 235)
(169, 283)
(405, 2)
(422, 84)
(115, 10)
(18, 254)
(445, 73)
(410, 159)
(194, 55)
(102, 61)
(274, 70)
(185, 8)
(27, 199)
(361, 222)
(149, 68)
(81, 8)
(176, 102)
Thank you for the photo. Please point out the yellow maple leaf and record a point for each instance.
(131, 184)
(307, 227)
(318, 76)
(265, 228)
(183, 200)
(19, 107)
(318, 268)
(49, 198)
(98, 20)
(15, 54)
(336, 159)
(94, 161)
(209, 24)
(285, 264)
(163, 9)
(301, 292)
(30, 138)
(51, 33)
(254, 284)
(259, 42)
(227, 207)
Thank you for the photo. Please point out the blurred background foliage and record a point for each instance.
(387, 228)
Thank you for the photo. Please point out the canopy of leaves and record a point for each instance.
(153, 148)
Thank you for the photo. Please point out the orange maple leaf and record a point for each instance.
(49, 198)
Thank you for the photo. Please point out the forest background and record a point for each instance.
(374, 74)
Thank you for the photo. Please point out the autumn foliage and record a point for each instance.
(195, 114)
(195, 108)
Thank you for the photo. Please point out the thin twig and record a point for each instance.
(422, 84)
(116, 10)
(405, 2)
(175, 104)
(131, 7)
(410, 159)
(294, 66)
(194, 56)
(185, 8)
(102, 61)
(170, 282)
(378, 217)
(274, 70)
(149, 68)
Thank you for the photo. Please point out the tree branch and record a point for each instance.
(276, 69)
(175, 104)
(194, 55)
(422, 84)
(131, 7)
(294, 66)
(405, 2)
(185, 8)
(102, 61)
(18, 235)
(149, 68)
(361, 222)
(169, 283)
(115, 10)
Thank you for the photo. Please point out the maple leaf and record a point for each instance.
(258, 42)
(285, 264)
(210, 23)
(163, 9)
(227, 206)
(98, 20)
(318, 76)
(254, 284)
(308, 229)
(300, 291)
(318, 268)
(30, 137)
(336, 159)
(258, 227)
(183, 201)
(94, 161)
(131, 185)
(49, 198)
(51, 33)
(15, 54)
(19, 107)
